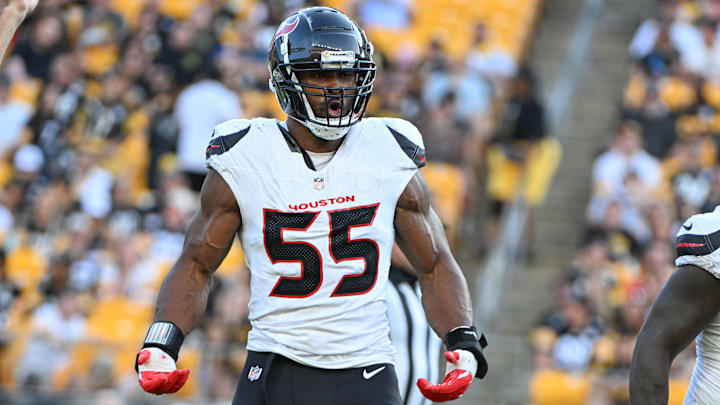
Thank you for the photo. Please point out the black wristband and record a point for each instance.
(165, 336)
(466, 338)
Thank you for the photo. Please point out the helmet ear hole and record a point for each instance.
(271, 85)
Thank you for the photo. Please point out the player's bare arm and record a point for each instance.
(421, 237)
(183, 294)
(445, 296)
(182, 299)
(11, 17)
(687, 303)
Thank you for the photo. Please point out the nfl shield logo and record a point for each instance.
(319, 183)
(254, 373)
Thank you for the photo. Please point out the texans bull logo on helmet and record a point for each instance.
(286, 28)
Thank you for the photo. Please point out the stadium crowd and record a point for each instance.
(659, 169)
(106, 107)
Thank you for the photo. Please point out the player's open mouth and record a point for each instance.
(334, 108)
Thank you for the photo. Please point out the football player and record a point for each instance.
(318, 201)
(10, 19)
(687, 307)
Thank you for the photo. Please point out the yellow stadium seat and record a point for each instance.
(677, 390)
(119, 321)
(542, 338)
(189, 357)
(9, 357)
(448, 186)
(130, 10)
(82, 356)
(711, 93)
(677, 94)
(26, 91)
(98, 59)
(25, 267)
(635, 91)
(555, 387)
(6, 172)
(507, 177)
(233, 263)
(342, 5)
(179, 9)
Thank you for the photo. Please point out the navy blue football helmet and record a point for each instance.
(321, 38)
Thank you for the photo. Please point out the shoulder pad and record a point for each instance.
(409, 139)
(699, 235)
(230, 127)
(226, 135)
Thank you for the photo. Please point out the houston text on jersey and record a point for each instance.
(322, 203)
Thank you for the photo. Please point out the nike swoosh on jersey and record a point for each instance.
(371, 374)
(687, 228)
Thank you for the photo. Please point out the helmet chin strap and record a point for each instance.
(323, 132)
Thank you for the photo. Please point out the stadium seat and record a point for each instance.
(179, 9)
(26, 91)
(677, 389)
(506, 176)
(119, 321)
(234, 263)
(555, 387)
(25, 267)
(82, 356)
(130, 10)
(98, 59)
(448, 186)
(677, 94)
(509, 21)
(189, 358)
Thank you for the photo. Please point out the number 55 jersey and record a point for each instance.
(318, 243)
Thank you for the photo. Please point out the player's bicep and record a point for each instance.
(687, 303)
(419, 231)
(213, 227)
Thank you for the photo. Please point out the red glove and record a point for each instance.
(459, 374)
(157, 372)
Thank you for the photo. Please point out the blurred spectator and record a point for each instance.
(14, 115)
(443, 135)
(493, 63)
(626, 168)
(577, 333)
(624, 180)
(199, 107)
(56, 326)
(44, 44)
(692, 185)
(704, 58)
(523, 158)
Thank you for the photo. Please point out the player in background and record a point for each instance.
(318, 201)
(687, 307)
(12, 16)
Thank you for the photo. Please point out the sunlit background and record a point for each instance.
(567, 141)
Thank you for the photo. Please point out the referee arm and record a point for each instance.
(687, 303)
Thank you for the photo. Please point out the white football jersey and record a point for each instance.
(318, 243)
(697, 243)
